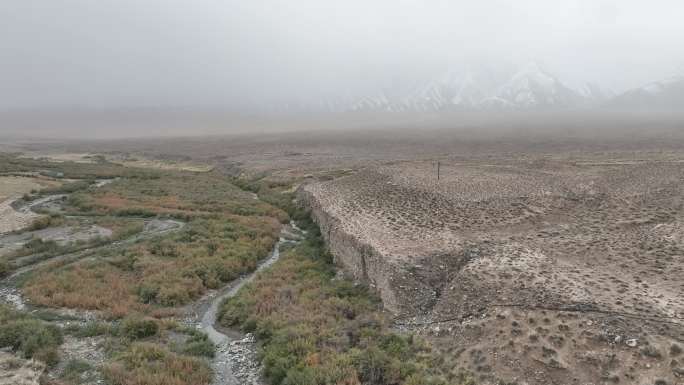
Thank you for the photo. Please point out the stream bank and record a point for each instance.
(235, 361)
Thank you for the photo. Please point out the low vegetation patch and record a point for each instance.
(147, 363)
(316, 329)
(5, 268)
(136, 328)
(218, 233)
(225, 235)
(171, 193)
(197, 344)
(29, 336)
(77, 372)
(159, 273)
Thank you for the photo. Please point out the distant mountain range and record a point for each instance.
(665, 95)
(530, 88)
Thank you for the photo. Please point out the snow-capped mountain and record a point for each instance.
(529, 88)
(661, 95)
(453, 90)
(593, 93)
(533, 88)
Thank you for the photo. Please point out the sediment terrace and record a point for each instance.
(590, 236)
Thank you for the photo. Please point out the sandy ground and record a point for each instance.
(124, 159)
(531, 266)
(11, 189)
(61, 157)
(11, 219)
(17, 371)
(18, 185)
(62, 235)
(543, 255)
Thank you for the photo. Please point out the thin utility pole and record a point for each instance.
(438, 170)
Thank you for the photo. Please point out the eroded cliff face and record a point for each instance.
(404, 288)
(551, 272)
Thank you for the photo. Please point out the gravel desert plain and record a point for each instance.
(543, 255)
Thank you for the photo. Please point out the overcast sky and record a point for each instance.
(103, 53)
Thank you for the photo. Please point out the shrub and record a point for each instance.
(39, 223)
(90, 329)
(37, 245)
(5, 268)
(148, 294)
(650, 351)
(136, 328)
(135, 212)
(67, 188)
(49, 355)
(164, 248)
(198, 344)
(75, 370)
(128, 231)
(29, 336)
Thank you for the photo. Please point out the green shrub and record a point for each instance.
(163, 248)
(39, 223)
(135, 212)
(38, 245)
(136, 328)
(650, 351)
(5, 268)
(67, 188)
(148, 294)
(90, 329)
(198, 344)
(31, 337)
(75, 371)
(49, 355)
(129, 231)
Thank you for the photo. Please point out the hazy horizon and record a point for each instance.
(238, 55)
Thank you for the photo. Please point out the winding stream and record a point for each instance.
(224, 360)
(232, 351)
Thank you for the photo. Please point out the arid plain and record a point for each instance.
(530, 257)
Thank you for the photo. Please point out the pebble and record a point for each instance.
(242, 357)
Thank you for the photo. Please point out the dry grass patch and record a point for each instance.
(12, 186)
(151, 364)
(159, 273)
(180, 194)
(88, 286)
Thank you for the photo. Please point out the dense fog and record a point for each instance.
(250, 58)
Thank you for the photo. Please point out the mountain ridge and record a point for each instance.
(529, 88)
